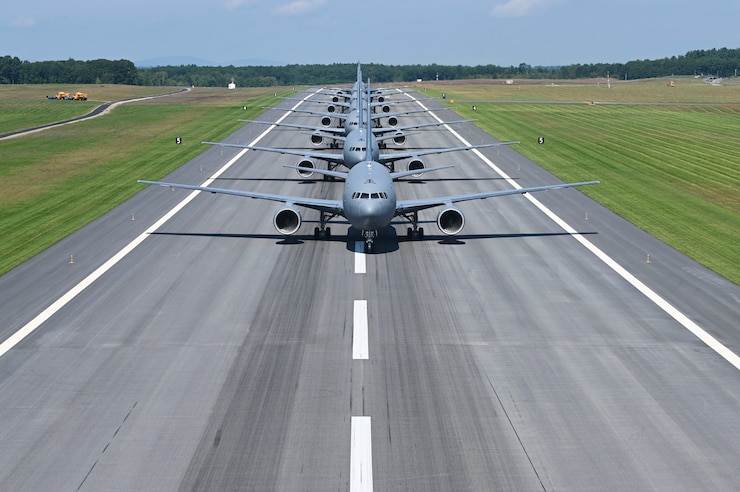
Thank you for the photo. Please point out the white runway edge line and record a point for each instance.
(361, 456)
(360, 348)
(47, 313)
(360, 265)
(671, 310)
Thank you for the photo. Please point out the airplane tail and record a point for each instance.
(368, 131)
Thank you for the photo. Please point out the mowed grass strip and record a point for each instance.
(26, 106)
(56, 181)
(673, 170)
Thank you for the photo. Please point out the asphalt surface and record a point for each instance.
(218, 355)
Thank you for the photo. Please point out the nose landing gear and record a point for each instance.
(369, 238)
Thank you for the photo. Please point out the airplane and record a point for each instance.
(319, 133)
(353, 151)
(369, 202)
(350, 119)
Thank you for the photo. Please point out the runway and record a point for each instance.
(218, 355)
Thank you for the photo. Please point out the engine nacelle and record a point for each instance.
(450, 221)
(331, 108)
(386, 108)
(399, 139)
(326, 121)
(287, 220)
(317, 139)
(416, 165)
(393, 121)
(335, 99)
(381, 99)
(306, 168)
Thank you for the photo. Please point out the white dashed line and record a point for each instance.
(360, 257)
(361, 456)
(359, 332)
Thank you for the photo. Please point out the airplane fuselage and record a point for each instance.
(355, 145)
(369, 197)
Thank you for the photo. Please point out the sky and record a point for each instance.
(398, 32)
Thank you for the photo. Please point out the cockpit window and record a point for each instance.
(369, 196)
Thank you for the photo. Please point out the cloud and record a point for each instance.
(299, 7)
(23, 23)
(519, 8)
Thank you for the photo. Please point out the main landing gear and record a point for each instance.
(414, 232)
(323, 232)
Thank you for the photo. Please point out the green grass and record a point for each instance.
(671, 169)
(26, 106)
(58, 180)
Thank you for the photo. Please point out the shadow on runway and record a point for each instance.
(387, 241)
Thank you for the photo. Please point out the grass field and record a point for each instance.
(26, 106)
(60, 179)
(667, 157)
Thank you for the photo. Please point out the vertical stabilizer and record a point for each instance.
(368, 129)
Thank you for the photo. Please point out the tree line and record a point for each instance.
(721, 62)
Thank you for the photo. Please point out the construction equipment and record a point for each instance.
(65, 96)
(60, 96)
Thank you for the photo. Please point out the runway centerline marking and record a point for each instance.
(47, 313)
(361, 456)
(360, 265)
(653, 296)
(360, 348)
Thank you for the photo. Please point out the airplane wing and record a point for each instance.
(414, 127)
(335, 158)
(376, 116)
(409, 206)
(340, 116)
(397, 156)
(329, 206)
(324, 129)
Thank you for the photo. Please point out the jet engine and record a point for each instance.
(450, 221)
(331, 108)
(326, 121)
(386, 108)
(393, 121)
(399, 139)
(306, 168)
(317, 139)
(416, 165)
(287, 220)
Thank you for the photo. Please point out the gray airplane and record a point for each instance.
(353, 151)
(368, 202)
(350, 120)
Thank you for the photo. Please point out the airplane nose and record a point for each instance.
(373, 214)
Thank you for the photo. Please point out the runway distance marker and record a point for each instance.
(47, 313)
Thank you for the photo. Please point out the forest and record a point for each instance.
(721, 62)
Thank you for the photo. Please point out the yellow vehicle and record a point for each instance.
(80, 96)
